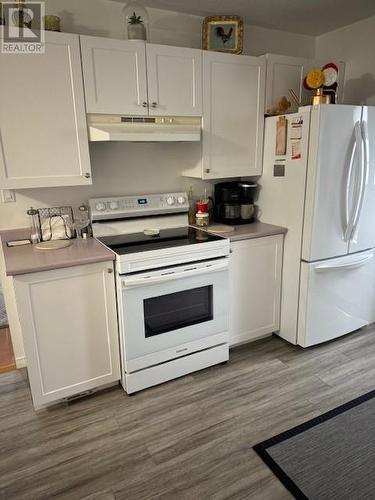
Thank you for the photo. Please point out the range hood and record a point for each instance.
(144, 128)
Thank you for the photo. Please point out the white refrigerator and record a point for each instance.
(319, 182)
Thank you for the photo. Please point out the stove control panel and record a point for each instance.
(117, 207)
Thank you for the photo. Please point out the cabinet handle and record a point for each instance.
(154, 104)
(207, 170)
(109, 270)
(87, 175)
(144, 104)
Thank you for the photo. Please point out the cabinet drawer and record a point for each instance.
(336, 297)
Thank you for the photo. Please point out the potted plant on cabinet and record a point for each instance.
(136, 18)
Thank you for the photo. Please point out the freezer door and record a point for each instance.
(363, 234)
(336, 297)
(331, 179)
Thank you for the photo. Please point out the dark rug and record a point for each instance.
(331, 457)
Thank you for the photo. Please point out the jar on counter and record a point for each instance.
(201, 219)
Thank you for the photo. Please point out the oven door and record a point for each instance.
(172, 312)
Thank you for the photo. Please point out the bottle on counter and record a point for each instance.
(34, 225)
(202, 217)
(191, 214)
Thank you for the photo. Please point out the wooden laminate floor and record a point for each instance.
(7, 361)
(188, 439)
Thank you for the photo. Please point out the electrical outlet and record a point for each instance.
(8, 195)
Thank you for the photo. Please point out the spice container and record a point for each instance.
(201, 219)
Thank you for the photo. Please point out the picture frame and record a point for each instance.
(223, 34)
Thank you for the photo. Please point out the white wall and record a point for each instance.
(117, 168)
(104, 18)
(353, 44)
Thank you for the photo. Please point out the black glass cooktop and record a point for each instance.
(167, 238)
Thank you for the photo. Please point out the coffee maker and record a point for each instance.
(234, 202)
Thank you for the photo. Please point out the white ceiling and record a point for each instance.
(310, 17)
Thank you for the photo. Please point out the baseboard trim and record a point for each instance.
(243, 339)
(21, 362)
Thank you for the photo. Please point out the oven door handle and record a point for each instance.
(130, 281)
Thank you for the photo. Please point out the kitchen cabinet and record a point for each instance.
(135, 78)
(233, 109)
(69, 324)
(114, 74)
(255, 287)
(174, 77)
(43, 139)
(285, 72)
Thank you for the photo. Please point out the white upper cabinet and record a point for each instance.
(174, 80)
(233, 108)
(114, 74)
(285, 73)
(135, 78)
(43, 130)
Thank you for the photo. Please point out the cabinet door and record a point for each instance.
(255, 288)
(285, 73)
(43, 130)
(233, 104)
(69, 326)
(174, 80)
(114, 74)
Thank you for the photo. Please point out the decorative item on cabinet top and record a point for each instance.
(52, 23)
(144, 128)
(136, 19)
(323, 82)
(222, 34)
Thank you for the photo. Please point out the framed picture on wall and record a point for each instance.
(223, 34)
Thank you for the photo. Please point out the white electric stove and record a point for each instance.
(172, 287)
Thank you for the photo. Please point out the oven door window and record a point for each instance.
(177, 310)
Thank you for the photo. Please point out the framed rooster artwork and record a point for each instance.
(223, 34)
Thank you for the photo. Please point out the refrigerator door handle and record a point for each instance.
(347, 230)
(353, 264)
(364, 174)
(359, 186)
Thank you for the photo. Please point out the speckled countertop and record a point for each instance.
(249, 231)
(27, 259)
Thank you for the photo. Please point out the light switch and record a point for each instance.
(8, 195)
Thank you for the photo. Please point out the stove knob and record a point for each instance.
(181, 200)
(113, 205)
(100, 206)
(171, 200)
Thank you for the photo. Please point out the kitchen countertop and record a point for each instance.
(249, 231)
(27, 259)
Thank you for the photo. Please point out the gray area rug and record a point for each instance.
(331, 457)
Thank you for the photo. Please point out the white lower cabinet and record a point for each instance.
(255, 287)
(69, 325)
